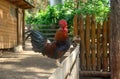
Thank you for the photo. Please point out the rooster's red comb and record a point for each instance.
(63, 23)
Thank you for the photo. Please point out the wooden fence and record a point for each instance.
(69, 68)
(47, 30)
(95, 44)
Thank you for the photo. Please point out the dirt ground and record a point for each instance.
(26, 65)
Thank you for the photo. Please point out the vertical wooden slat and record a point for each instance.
(105, 60)
(108, 30)
(75, 25)
(93, 29)
(108, 38)
(88, 56)
(82, 43)
(98, 47)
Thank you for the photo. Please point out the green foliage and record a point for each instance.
(99, 8)
(51, 16)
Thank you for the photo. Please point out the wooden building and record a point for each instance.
(12, 22)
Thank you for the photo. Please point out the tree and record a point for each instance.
(115, 39)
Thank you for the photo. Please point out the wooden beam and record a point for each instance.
(21, 3)
(94, 74)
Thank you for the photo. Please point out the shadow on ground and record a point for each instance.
(26, 65)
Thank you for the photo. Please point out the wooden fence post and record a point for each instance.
(87, 42)
(93, 35)
(82, 44)
(75, 24)
(108, 39)
(99, 47)
(105, 56)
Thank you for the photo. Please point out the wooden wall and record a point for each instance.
(8, 25)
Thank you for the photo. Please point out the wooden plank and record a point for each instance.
(70, 60)
(98, 47)
(48, 33)
(75, 25)
(93, 34)
(95, 74)
(82, 43)
(88, 55)
(74, 73)
(68, 66)
(4, 5)
(108, 40)
(105, 59)
(48, 29)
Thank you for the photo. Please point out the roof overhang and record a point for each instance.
(21, 4)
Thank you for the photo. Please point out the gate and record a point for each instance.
(95, 45)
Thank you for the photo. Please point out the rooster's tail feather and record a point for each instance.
(38, 41)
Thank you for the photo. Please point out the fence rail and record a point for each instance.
(69, 68)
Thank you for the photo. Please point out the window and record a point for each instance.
(13, 12)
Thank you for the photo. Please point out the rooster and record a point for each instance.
(55, 49)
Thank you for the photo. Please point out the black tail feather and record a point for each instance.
(38, 41)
